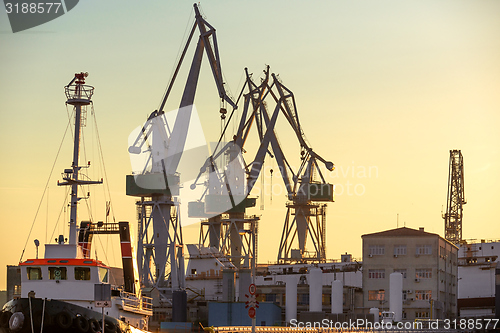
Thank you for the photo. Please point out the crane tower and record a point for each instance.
(456, 198)
(306, 187)
(158, 147)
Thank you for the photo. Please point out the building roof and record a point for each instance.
(401, 232)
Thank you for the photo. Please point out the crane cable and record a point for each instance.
(185, 38)
(103, 164)
(60, 212)
(44, 190)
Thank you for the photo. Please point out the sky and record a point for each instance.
(384, 90)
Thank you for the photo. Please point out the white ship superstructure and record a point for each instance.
(476, 277)
(58, 291)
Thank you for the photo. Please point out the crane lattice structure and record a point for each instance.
(306, 187)
(160, 253)
(456, 198)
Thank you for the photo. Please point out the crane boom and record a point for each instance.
(303, 191)
(156, 152)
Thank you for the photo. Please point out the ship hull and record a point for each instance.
(58, 316)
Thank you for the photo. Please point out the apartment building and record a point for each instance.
(428, 264)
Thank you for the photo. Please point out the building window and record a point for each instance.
(34, 273)
(404, 315)
(376, 295)
(442, 252)
(377, 250)
(453, 258)
(423, 273)
(376, 273)
(303, 299)
(422, 314)
(82, 273)
(399, 250)
(402, 271)
(423, 249)
(57, 273)
(271, 298)
(423, 295)
(159, 316)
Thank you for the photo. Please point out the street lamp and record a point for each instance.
(252, 233)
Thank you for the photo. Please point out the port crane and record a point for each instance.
(305, 215)
(156, 181)
(226, 177)
(455, 199)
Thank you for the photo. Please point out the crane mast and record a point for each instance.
(456, 198)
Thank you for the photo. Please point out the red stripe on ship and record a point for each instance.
(126, 250)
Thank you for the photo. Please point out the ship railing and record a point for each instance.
(132, 301)
(79, 91)
(147, 303)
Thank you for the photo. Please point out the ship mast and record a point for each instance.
(79, 95)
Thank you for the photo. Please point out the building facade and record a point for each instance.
(428, 264)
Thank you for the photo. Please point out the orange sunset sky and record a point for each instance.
(384, 89)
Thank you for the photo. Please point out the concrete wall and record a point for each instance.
(235, 314)
(476, 282)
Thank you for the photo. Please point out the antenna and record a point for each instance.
(37, 244)
(397, 221)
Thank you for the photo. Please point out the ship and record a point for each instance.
(67, 290)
